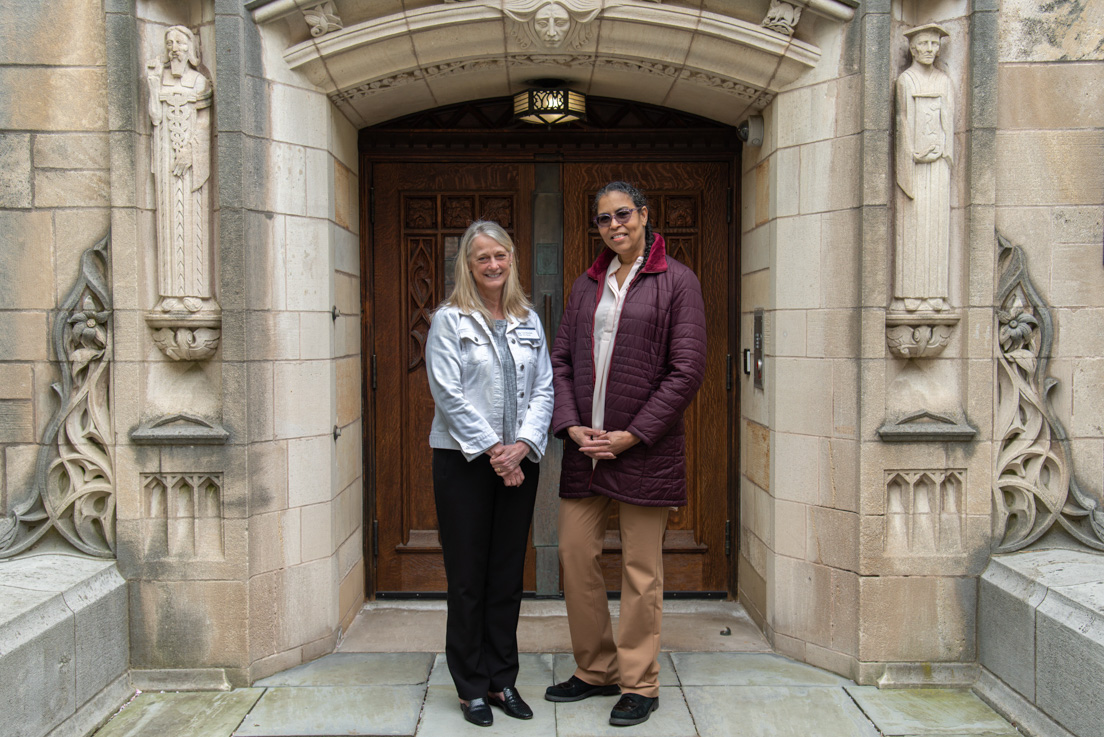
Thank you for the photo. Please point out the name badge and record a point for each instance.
(528, 334)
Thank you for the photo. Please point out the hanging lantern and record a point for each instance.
(549, 106)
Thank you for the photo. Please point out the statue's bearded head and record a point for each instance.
(925, 47)
(552, 23)
(180, 49)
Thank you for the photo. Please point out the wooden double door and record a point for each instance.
(418, 213)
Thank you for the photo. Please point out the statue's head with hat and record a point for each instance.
(924, 42)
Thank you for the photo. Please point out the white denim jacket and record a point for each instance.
(465, 378)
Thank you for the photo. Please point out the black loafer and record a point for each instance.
(632, 709)
(512, 703)
(477, 712)
(576, 689)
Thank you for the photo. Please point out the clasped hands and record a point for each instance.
(506, 461)
(600, 444)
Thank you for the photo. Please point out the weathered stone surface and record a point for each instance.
(186, 624)
(1070, 655)
(359, 669)
(939, 626)
(352, 710)
(780, 711)
(1031, 30)
(35, 38)
(16, 421)
(748, 669)
(1049, 168)
(929, 711)
(182, 714)
(71, 151)
(26, 268)
(72, 188)
(43, 98)
(15, 170)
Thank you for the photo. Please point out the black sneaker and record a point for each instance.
(576, 689)
(632, 709)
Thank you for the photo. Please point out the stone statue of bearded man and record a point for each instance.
(180, 109)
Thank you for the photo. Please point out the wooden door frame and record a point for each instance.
(396, 143)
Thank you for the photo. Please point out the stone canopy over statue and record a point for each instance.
(920, 321)
(186, 319)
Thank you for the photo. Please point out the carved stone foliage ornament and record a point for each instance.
(1034, 485)
(920, 321)
(322, 19)
(187, 319)
(782, 17)
(74, 481)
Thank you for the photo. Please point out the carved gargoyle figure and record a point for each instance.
(782, 17)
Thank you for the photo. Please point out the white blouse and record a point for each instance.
(606, 318)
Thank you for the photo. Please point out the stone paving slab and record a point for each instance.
(749, 669)
(534, 673)
(357, 669)
(590, 718)
(324, 711)
(565, 667)
(776, 711)
(921, 711)
(207, 713)
(442, 717)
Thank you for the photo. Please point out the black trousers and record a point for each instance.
(484, 528)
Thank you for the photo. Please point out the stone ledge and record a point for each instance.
(64, 648)
(1041, 638)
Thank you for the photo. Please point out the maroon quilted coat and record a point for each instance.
(657, 365)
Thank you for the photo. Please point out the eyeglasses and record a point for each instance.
(621, 216)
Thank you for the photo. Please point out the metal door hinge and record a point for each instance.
(375, 372)
(728, 537)
(375, 538)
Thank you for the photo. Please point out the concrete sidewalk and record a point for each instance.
(736, 689)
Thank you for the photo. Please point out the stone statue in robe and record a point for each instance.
(180, 109)
(925, 155)
(186, 320)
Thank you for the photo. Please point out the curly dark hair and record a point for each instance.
(639, 200)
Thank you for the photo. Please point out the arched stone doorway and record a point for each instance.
(424, 178)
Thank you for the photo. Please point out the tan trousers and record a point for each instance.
(632, 662)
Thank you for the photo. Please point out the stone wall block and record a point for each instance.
(874, 288)
(348, 450)
(16, 421)
(348, 513)
(37, 668)
(833, 538)
(232, 260)
(285, 178)
(188, 624)
(310, 470)
(796, 263)
(755, 247)
(877, 93)
(346, 293)
(264, 617)
(16, 381)
(346, 201)
(316, 341)
(35, 38)
(26, 260)
(1033, 31)
(73, 232)
(804, 405)
(346, 249)
(309, 265)
(876, 167)
(304, 399)
(845, 399)
(789, 529)
(757, 512)
(272, 335)
(310, 590)
(233, 180)
(261, 404)
(983, 74)
(350, 553)
(789, 333)
(1046, 96)
(840, 261)
(840, 190)
(1088, 400)
(41, 98)
(839, 474)
(15, 170)
(1070, 657)
(99, 606)
(806, 114)
(802, 595)
(982, 163)
(268, 477)
(123, 68)
(72, 188)
(265, 266)
(318, 527)
(1006, 626)
(756, 450)
(351, 594)
(940, 621)
(1049, 168)
(71, 151)
(795, 471)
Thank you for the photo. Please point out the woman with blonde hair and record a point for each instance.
(491, 380)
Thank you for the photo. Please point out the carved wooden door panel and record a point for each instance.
(421, 211)
(688, 207)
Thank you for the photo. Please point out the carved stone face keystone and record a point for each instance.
(552, 24)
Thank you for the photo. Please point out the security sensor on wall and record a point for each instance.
(751, 131)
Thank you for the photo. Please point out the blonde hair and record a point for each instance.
(465, 296)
